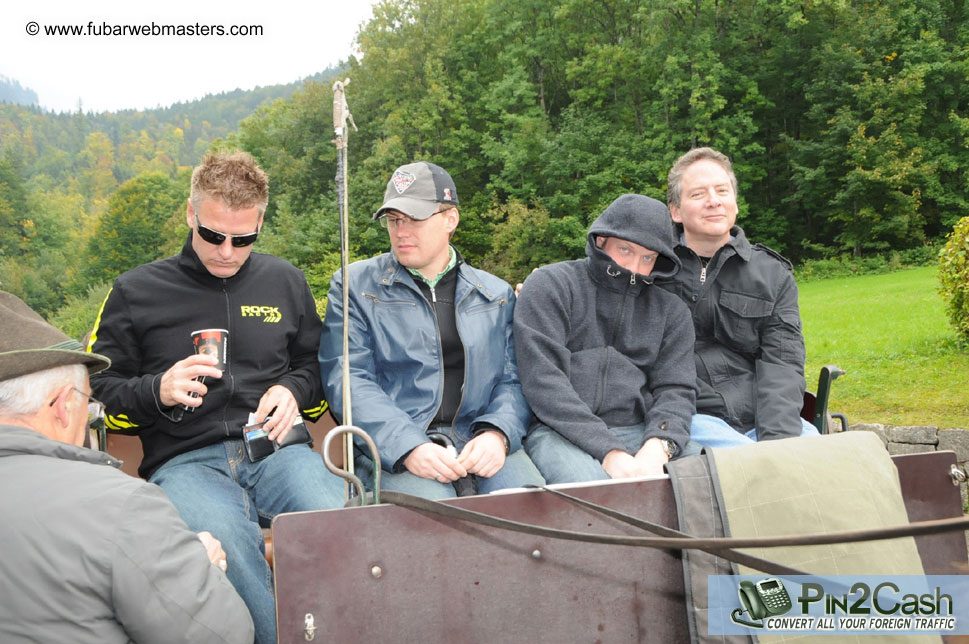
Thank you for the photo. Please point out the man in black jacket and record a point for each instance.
(749, 347)
(189, 414)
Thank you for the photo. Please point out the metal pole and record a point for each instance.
(341, 114)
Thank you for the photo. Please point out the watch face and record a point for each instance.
(670, 447)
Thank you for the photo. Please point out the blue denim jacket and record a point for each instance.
(396, 363)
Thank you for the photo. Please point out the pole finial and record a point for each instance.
(341, 112)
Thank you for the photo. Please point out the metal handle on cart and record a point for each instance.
(353, 479)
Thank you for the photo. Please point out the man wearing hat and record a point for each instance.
(432, 357)
(90, 554)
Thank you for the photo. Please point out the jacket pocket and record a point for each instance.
(741, 319)
(378, 301)
(606, 381)
(732, 380)
(487, 306)
(586, 375)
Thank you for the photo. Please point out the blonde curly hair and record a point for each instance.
(233, 178)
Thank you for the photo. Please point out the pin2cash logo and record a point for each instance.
(882, 606)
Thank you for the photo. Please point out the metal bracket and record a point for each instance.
(957, 474)
(349, 476)
(309, 628)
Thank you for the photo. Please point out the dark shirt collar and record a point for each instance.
(189, 260)
(738, 242)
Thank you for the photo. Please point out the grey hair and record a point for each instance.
(674, 181)
(25, 395)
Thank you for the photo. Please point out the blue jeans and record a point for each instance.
(711, 431)
(517, 471)
(216, 488)
(561, 461)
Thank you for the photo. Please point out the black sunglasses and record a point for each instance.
(216, 238)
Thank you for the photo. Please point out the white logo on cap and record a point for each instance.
(402, 180)
(447, 195)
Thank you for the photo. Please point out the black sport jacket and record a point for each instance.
(145, 326)
(749, 347)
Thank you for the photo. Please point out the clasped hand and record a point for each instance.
(483, 455)
(648, 461)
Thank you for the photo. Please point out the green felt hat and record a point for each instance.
(29, 344)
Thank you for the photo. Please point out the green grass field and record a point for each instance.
(891, 335)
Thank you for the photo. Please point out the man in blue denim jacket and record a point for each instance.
(432, 356)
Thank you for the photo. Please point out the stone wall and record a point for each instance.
(913, 440)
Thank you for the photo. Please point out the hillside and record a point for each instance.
(12, 92)
(57, 144)
(59, 173)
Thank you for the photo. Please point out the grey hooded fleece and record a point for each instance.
(599, 346)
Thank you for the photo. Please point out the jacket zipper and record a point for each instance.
(226, 373)
(464, 348)
(440, 348)
(615, 330)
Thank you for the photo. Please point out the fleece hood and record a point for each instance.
(641, 220)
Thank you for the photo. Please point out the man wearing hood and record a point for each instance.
(605, 357)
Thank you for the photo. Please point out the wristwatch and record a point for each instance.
(669, 447)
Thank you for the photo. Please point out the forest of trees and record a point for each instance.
(84, 196)
(847, 122)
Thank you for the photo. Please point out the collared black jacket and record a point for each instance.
(146, 324)
(749, 346)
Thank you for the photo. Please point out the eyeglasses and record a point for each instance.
(216, 238)
(388, 221)
(95, 410)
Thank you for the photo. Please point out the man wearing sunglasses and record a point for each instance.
(432, 357)
(90, 554)
(189, 414)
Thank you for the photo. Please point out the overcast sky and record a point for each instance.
(299, 38)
